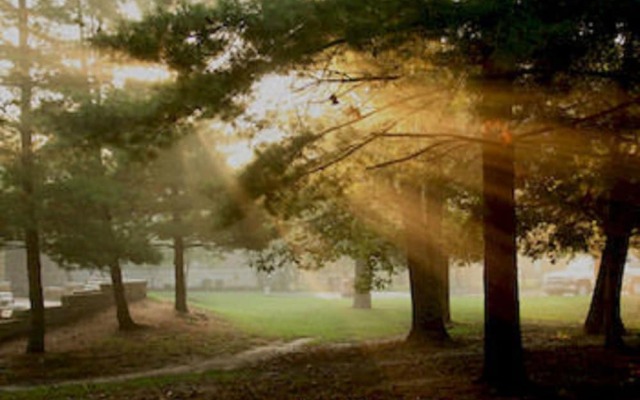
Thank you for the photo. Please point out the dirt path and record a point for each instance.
(559, 369)
(240, 360)
(224, 363)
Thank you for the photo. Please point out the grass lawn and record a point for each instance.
(289, 316)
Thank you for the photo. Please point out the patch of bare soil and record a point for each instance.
(94, 346)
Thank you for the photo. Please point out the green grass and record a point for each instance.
(289, 316)
(300, 315)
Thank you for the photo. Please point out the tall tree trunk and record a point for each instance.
(604, 312)
(446, 293)
(503, 358)
(125, 322)
(594, 323)
(434, 203)
(362, 285)
(35, 342)
(426, 263)
(181, 282)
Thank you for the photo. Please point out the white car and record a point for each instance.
(577, 278)
(6, 304)
(631, 279)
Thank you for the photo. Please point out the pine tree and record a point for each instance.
(186, 181)
(35, 61)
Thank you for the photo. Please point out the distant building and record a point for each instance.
(232, 271)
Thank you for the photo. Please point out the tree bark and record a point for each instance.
(503, 358)
(125, 322)
(362, 285)
(604, 312)
(446, 294)
(180, 276)
(434, 206)
(35, 342)
(594, 323)
(426, 263)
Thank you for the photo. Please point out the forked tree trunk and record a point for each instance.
(180, 276)
(125, 322)
(604, 312)
(35, 341)
(362, 285)
(426, 263)
(503, 358)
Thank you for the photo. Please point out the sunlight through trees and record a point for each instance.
(404, 136)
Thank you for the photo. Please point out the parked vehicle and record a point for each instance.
(6, 304)
(578, 278)
(631, 280)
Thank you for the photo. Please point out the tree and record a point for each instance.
(603, 124)
(187, 181)
(32, 61)
(318, 217)
(622, 215)
(35, 343)
(587, 217)
(63, 86)
(45, 47)
(100, 220)
(427, 264)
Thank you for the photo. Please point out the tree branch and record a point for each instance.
(412, 155)
(365, 116)
(330, 44)
(580, 121)
(445, 136)
(365, 78)
(348, 151)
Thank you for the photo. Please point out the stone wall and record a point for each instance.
(74, 307)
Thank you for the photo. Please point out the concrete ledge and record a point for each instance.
(74, 307)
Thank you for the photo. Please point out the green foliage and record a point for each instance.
(184, 39)
(314, 215)
(541, 48)
(274, 169)
(95, 217)
(188, 194)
